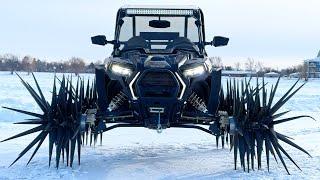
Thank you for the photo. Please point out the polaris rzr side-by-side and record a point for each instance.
(159, 76)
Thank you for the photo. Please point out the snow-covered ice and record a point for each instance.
(140, 153)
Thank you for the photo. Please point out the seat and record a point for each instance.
(181, 42)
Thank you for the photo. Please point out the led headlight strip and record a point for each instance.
(195, 71)
(121, 70)
(199, 69)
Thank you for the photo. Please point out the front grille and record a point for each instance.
(158, 79)
(158, 84)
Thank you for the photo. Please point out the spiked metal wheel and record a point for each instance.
(61, 120)
(254, 115)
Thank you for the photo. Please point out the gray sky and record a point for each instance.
(278, 33)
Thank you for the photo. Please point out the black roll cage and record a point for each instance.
(197, 13)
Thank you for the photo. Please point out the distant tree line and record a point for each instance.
(258, 67)
(10, 62)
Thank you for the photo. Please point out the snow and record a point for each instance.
(140, 153)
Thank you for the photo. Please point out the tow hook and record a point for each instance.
(159, 127)
(157, 110)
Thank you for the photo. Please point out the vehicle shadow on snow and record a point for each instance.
(168, 163)
(189, 161)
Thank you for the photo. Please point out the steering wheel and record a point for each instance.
(136, 42)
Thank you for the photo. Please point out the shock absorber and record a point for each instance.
(197, 103)
(117, 101)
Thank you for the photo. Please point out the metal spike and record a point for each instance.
(30, 131)
(37, 148)
(37, 139)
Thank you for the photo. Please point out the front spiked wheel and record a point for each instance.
(60, 120)
(254, 115)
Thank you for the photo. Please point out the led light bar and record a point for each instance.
(181, 12)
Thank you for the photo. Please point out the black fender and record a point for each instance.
(102, 81)
(215, 87)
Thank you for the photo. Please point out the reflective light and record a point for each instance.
(183, 86)
(121, 70)
(196, 71)
(208, 64)
(187, 12)
(134, 97)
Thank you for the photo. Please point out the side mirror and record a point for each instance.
(219, 41)
(99, 40)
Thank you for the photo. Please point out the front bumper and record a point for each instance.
(157, 89)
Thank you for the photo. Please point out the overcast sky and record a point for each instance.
(279, 33)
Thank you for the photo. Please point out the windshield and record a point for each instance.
(158, 35)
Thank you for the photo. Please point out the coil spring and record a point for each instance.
(197, 102)
(117, 101)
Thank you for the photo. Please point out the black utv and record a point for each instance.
(159, 76)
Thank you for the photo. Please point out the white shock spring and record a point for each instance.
(197, 103)
(117, 101)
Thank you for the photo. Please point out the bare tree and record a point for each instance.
(105, 61)
(76, 64)
(259, 66)
(249, 64)
(303, 70)
(98, 62)
(28, 64)
(1, 63)
(237, 66)
(216, 62)
(11, 61)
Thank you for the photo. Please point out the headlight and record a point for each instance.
(196, 67)
(195, 71)
(120, 70)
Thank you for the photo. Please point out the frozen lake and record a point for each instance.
(140, 153)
